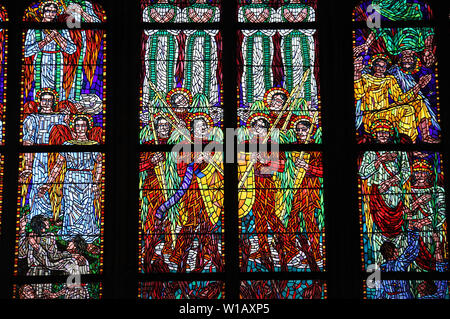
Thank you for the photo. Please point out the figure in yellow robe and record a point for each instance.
(375, 93)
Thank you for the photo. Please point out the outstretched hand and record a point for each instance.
(360, 49)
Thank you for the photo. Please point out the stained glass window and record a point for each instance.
(281, 205)
(181, 11)
(63, 77)
(3, 71)
(182, 77)
(65, 10)
(61, 193)
(214, 222)
(182, 290)
(287, 289)
(418, 289)
(266, 11)
(281, 212)
(396, 81)
(396, 86)
(181, 209)
(393, 10)
(58, 291)
(278, 77)
(181, 192)
(60, 217)
(401, 192)
(403, 211)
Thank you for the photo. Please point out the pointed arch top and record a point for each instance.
(393, 10)
(62, 10)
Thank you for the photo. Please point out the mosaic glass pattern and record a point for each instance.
(283, 289)
(181, 11)
(393, 10)
(209, 290)
(181, 82)
(281, 212)
(58, 291)
(60, 215)
(181, 212)
(65, 11)
(63, 80)
(278, 76)
(409, 289)
(266, 11)
(396, 86)
(403, 211)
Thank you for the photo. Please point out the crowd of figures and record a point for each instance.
(403, 211)
(280, 206)
(404, 218)
(280, 203)
(271, 65)
(396, 86)
(61, 200)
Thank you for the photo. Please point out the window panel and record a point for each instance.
(61, 86)
(287, 289)
(408, 289)
(3, 72)
(182, 78)
(396, 86)
(63, 10)
(402, 206)
(393, 10)
(181, 11)
(58, 291)
(60, 216)
(265, 11)
(181, 213)
(182, 290)
(281, 212)
(278, 76)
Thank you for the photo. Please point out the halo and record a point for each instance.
(270, 93)
(379, 56)
(74, 118)
(182, 91)
(257, 116)
(381, 125)
(200, 115)
(303, 118)
(416, 67)
(158, 115)
(161, 115)
(420, 165)
(41, 7)
(47, 90)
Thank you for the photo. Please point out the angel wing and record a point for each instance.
(59, 135)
